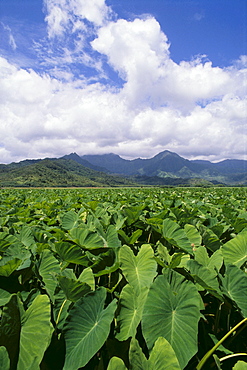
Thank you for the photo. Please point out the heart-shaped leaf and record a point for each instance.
(131, 311)
(4, 359)
(36, 331)
(172, 310)
(116, 363)
(86, 329)
(138, 270)
(235, 287)
(235, 250)
(175, 235)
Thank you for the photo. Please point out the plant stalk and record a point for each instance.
(232, 355)
(211, 351)
(60, 311)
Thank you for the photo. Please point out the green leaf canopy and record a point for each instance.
(36, 333)
(240, 365)
(87, 328)
(73, 289)
(162, 356)
(116, 363)
(4, 359)
(175, 235)
(131, 311)
(235, 250)
(138, 270)
(48, 266)
(172, 311)
(235, 287)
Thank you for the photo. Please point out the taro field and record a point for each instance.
(114, 279)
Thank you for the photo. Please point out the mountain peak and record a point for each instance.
(165, 153)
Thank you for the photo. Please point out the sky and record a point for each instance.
(130, 77)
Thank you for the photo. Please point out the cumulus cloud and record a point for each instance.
(190, 107)
(71, 14)
(139, 51)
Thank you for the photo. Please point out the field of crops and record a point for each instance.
(142, 279)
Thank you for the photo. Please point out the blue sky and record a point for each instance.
(130, 77)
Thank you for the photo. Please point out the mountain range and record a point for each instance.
(170, 165)
(165, 168)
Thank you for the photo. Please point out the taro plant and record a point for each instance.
(123, 279)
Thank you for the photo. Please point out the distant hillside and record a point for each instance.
(170, 165)
(75, 157)
(56, 172)
(166, 168)
(114, 163)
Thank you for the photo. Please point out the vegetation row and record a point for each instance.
(123, 279)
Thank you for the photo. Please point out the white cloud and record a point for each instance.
(139, 51)
(57, 18)
(71, 14)
(95, 11)
(199, 16)
(191, 108)
(11, 39)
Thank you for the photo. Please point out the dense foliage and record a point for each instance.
(123, 279)
(56, 173)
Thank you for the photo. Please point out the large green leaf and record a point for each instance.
(235, 287)
(209, 238)
(138, 270)
(193, 234)
(9, 265)
(133, 238)
(207, 276)
(6, 240)
(104, 263)
(73, 289)
(213, 262)
(235, 250)
(116, 363)
(11, 327)
(172, 310)
(26, 236)
(110, 238)
(4, 297)
(131, 309)
(216, 260)
(87, 328)
(48, 267)
(132, 213)
(240, 365)
(71, 253)
(87, 277)
(4, 359)
(86, 238)
(70, 220)
(175, 235)
(137, 358)
(36, 331)
(163, 356)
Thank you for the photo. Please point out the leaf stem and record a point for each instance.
(232, 355)
(60, 311)
(211, 351)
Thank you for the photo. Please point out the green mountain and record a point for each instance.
(170, 165)
(56, 173)
(166, 168)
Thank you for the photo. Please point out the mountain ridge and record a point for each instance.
(165, 168)
(57, 172)
(170, 164)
